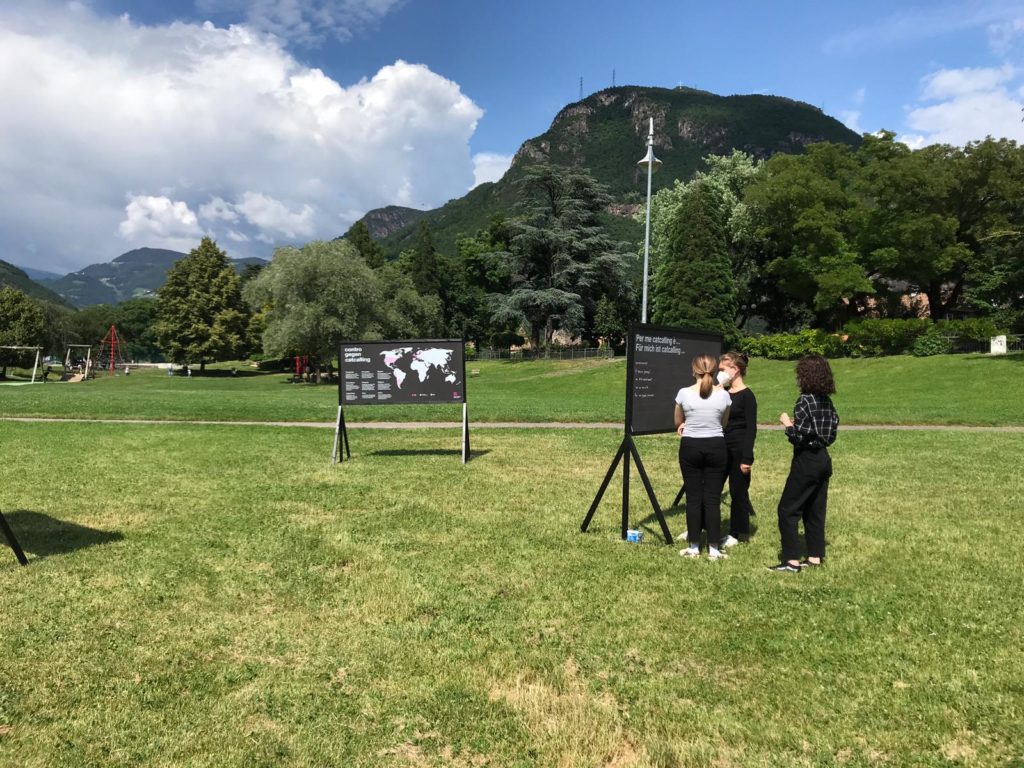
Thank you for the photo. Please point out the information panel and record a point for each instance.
(658, 360)
(402, 372)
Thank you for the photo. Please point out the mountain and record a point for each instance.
(39, 274)
(136, 273)
(15, 277)
(382, 222)
(606, 133)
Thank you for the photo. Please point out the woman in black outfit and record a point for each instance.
(811, 430)
(740, 433)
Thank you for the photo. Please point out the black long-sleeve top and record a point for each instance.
(741, 430)
(815, 422)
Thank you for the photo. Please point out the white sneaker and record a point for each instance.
(690, 552)
(729, 541)
(714, 554)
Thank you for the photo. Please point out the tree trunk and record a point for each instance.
(935, 306)
(202, 366)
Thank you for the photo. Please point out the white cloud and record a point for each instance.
(224, 121)
(923, 22)
(489, 166)
(851, 119)
(950, 83)
(309, 22)
(969, 104)
(161, 219)
(270, 214)
(1004, 35)
(218, 209)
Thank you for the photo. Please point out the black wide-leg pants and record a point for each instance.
(805, 497)
(703, 464)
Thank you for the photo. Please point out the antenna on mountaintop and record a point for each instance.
(613, 78)
(581, 88)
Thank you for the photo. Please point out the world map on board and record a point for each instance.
(413, 366)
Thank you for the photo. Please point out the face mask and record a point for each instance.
(724, 378)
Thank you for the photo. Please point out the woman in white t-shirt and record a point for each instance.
(702, 411)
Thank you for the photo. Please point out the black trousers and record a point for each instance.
(703, 463)
(740, 508)
(805, 497)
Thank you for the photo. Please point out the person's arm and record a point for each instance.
(749, 434)
(801, 428)
(680, 420)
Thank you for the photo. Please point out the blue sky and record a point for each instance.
(152, 122)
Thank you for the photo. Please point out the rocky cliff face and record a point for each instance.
(382, 222)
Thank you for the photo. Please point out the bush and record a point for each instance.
(884, 336)
(976, 329)
(790, 346)
(934, 342)
(276, 364)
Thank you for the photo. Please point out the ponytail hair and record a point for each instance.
(704, 368)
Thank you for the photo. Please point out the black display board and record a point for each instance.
(408, 372)
(658, 364)
(658, 360)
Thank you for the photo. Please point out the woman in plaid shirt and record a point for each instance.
(811, 430)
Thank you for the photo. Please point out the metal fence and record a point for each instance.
(1014, 343)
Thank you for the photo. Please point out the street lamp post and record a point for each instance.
(652, 164)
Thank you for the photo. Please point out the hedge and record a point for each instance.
(872, 337)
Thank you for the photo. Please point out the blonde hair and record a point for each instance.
(704, 367)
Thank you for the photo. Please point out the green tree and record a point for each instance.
(201, 315)
(311, 299)
(560, 258)
(371, 251)
(808, 212)
(136, 323)
(608, 324)
(22, 324)
(421, 262)
(694, 284)
(730, 176)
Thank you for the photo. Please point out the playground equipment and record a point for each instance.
(74, 378)
(112, 351)
(35, 365)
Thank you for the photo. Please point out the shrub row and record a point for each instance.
(864, 338)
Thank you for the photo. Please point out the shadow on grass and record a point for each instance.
(43, 536)
(429, 452)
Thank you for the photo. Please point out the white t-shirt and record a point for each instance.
(703, 417)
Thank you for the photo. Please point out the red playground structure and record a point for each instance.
(113, 352)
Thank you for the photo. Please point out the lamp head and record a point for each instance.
(650, 160)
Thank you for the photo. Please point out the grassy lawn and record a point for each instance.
(951, 389)
(221, 596)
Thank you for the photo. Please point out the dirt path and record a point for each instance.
(480, 424)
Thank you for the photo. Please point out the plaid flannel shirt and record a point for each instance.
(815, 422)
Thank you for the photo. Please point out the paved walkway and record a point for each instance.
(482, 424)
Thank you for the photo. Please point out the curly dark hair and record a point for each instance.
(814, 376)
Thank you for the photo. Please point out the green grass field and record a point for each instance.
(952, 389)
(222, 596)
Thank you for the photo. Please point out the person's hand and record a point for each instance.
(786, 421)
(745, 469)
(679, 429)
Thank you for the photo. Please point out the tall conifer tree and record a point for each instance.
(694, 284)
(201, 314)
